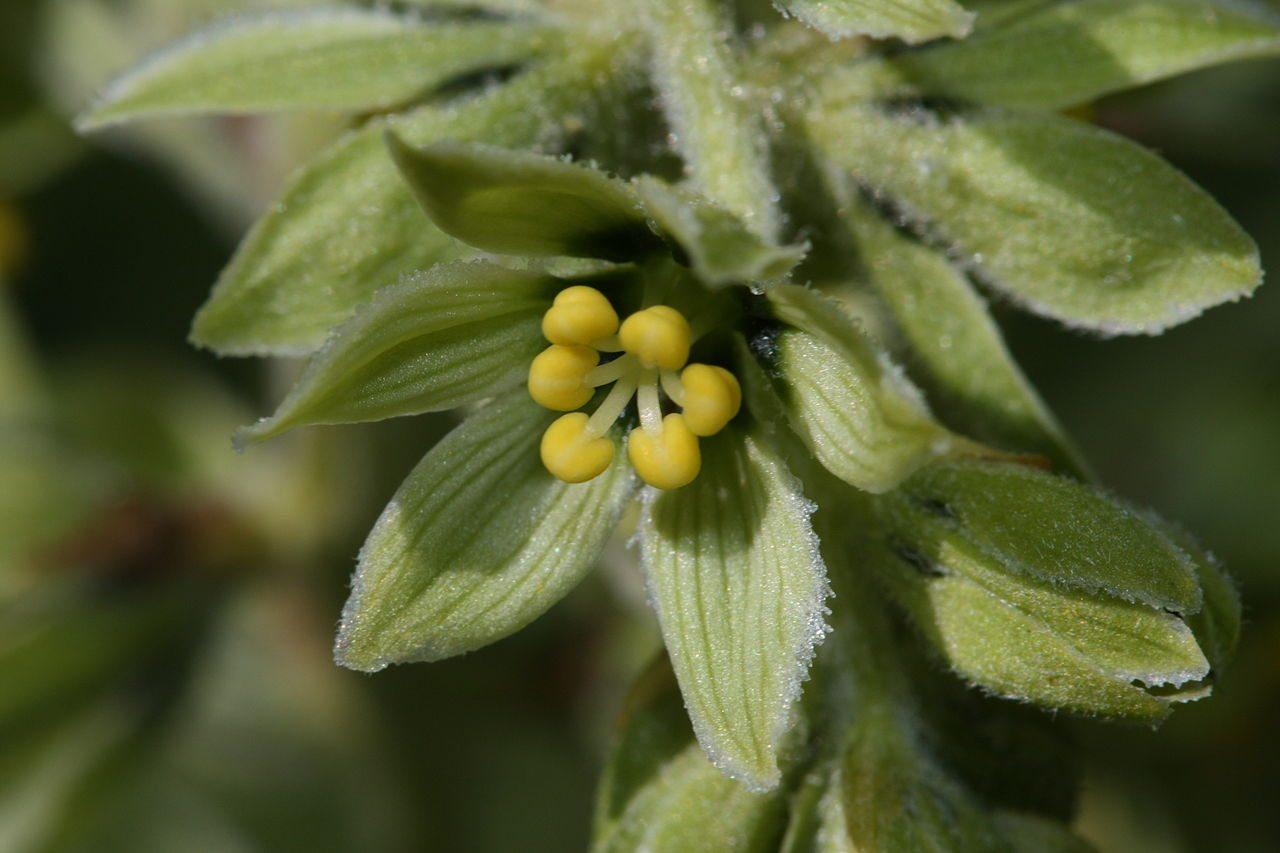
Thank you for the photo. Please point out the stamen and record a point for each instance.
(648, 404)
(611, 371)
(673, 386)
(614, 403)
(609, 344)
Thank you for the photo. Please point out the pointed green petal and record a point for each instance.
(856, 411)
(733, 571)
(912, 21)
(523, 204)
(315, 60)
(1071, 221)
(478, 542)
(659, 791)
(452, 335)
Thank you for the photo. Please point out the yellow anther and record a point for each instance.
(579, 315)
(712, 398)
(658, 336)
(572, 454)
(668, 458)
(558, 377)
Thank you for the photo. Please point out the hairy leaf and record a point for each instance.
(732, 568)
(715, 243)
(1062, 54)
(715, 125)
(317, 60)
(1071, 221)
(659, 791)
(348, 224)
(478, 542)
(856, 411)
(955, 344)
(523, 204)
(912, 21)
(1053, 529)
(457, 333)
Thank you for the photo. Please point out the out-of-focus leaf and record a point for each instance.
(20, 393)
(912, 21)
(317, 59)
(894, 796)
(853, 408)
(732, 568)
(1053, 529)
(972, 379)
(1062, 54)
(478, 542)
(523, 204)
(714, 125)
(714, 242)
(659, 791)
(348, 224)
(1031, 833)
(1071, 221)
(452, 335)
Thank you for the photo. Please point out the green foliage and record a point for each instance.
(910, 20)
(732, 567)
(478, 542)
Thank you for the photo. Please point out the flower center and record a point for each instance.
(654, 352)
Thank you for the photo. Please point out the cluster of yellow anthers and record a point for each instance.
(654, 346)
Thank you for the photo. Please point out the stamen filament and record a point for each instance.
(673, 386)
(609, 344)
(611, 409)
(610, 371)
(649, 405)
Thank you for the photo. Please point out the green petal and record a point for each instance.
(733, 571)
(1052, 529)
(478, 542)
(1071, 221)
(715, 243)
(659, 791)
(963, 363)
(913, 21)
(523, 204)
(715, 126)
(310, 60)
(1063, 54)
(348, 225)
(455, 334)
(1217, 625)
(856, 412)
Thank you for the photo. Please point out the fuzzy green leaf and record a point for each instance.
(348, 225)
(659, 791)
(715, 126)
(1034, 633)
(733, 571)
(856, 411)
(452, 335)
(715, 243)
(1071, 221)
(310, 60)
(524, 204)
(1217, 624)
(1053, 529)
(961, 356)
(1063, 54)
(913, 21)
(478, 542)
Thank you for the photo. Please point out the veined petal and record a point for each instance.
(733, 570)
(454, 334)
(478, 542)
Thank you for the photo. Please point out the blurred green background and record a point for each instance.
(167, 607)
